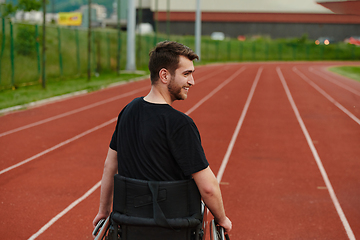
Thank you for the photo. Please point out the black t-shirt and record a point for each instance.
(156, 142)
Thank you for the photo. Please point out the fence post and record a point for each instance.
(12, 55)
(37, 45)
(307, 51)
(59, 48)
(77, 50)
(294, 51)
(241, 51)
(280, 51)
(322, 51)
(2, 43)
(98, 53)
(89, 40)
(253, 51)
(207, 49)
(229, 50)
(337, 52)
(266, 50)
(108, 49)
(94, 51)
(43, 50)
(217, 49)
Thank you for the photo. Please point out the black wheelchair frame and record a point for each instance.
(152, 210)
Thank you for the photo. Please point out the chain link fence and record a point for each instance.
(66, 51)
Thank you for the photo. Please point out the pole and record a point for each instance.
(130, 64)
(139, 34)
(156, 20)
(168, 19)
(118, 53)
(198, 30)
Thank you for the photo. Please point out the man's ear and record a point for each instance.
(164, 75)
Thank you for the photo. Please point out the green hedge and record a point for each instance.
(66, 56)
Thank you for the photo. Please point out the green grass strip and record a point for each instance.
(352, 72)
(27, 94)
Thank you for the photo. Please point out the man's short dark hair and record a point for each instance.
(166, 55)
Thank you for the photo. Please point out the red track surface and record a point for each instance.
(279, 182)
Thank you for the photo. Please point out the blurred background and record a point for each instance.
(78, 43)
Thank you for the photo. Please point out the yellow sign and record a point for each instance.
(70, 19)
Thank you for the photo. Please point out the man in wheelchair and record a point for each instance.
(156, 173)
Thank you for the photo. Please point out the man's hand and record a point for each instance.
(98, 217)
(107, 186)
(210, 192)
(101, 228)
(226, 224)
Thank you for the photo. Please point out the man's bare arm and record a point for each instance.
(107, 186)
(211, 195)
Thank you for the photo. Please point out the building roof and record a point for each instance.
(256, 6)
(342, 7)
(261, 17)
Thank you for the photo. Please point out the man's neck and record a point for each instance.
(157, 97)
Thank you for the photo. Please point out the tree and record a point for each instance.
(8, 9)
(29, 5)
(24, 5)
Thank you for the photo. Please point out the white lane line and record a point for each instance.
(215, 90)
(86, 132)
(94, 105)
(66, 210)
(71, 206)
(337, 104)
(210, 75)
(334, 81)
(43, 101)
(73, 111)
(91, 106)
(317, 159)
(58, 146)
(238, 126)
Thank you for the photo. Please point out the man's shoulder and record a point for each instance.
(136, 101)
(164, 111)
(180, 116)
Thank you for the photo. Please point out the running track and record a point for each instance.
(283, 139)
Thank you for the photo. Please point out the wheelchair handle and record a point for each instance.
(98, 226)
(217, 232)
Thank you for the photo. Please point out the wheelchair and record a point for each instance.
(156, 210)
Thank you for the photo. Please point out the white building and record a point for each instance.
(274, 18)
(34, 16)
(101, 12)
